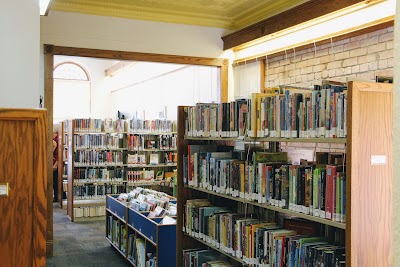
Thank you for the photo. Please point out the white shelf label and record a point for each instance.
(4, 190)
(378, 160)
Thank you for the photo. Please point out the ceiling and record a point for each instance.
(227, 14)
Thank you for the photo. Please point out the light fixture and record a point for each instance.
(363, 15)
(44, 6)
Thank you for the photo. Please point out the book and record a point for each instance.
(108, 125)
(168, 220)
(154, 159)
(193, 170)
(140, 252)
(120, 126)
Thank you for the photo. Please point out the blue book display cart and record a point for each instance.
(137, 238)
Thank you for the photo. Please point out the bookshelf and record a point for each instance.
(151, 156)
(109, 157)
(367, 227)
(96, 167)
(134, 235)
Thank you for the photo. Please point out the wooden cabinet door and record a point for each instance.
(23, 171)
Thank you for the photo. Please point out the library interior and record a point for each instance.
(200, 133)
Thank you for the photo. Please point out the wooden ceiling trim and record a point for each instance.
(135, 56)
(302, 13)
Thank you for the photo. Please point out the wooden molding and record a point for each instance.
(302, 13)
(136, 56)
(224, 84)
(48, 104)
(48, 49)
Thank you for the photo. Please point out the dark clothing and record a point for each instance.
(55, 151)
(55, 185)
(55, 172)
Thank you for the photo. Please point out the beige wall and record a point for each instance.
(362, 57)
(19, 70)
(90, 31)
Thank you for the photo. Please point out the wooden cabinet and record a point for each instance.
(23, 187)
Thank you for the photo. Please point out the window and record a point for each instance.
(71, 92)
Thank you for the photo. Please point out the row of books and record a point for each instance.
(267, 178)
(116, 233)
(143, 175)
(308, 114)
(98, 141)
(259, 243)
(118, 181)
(103, 174)
(86, 212)
(151, 126)
(111, 125)
(204, 258)
(88, 125)
(167, 157)
(137, 252)
(140, 142)
(97, 191)
(98, 158)
(145, 183)
(290, 114)
(216, 120)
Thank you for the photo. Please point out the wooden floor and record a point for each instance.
(81, 244)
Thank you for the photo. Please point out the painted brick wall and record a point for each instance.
(362, 57)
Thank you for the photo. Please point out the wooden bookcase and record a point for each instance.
(158, 238)
(151, 145)
(368, 227)
(83, 202)
(124, 183)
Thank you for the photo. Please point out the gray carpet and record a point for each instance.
(82, 244)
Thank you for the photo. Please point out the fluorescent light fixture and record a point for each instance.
(44, 7)
(337, 23)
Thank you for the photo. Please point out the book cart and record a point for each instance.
(125, 223)
(368, 226)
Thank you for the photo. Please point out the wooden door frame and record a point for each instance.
(50, 51)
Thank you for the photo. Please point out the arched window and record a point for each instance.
(70, 71)
(72, 94)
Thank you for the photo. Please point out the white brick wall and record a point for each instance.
(362, 57)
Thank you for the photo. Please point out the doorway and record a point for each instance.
(50, 51)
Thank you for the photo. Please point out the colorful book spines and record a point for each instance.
(317, 113)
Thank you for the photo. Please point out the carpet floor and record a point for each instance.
(82, 244)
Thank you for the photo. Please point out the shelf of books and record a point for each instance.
(141, 225)
(249, 204)
(111, 156)
(96, 166)
(151, 152)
